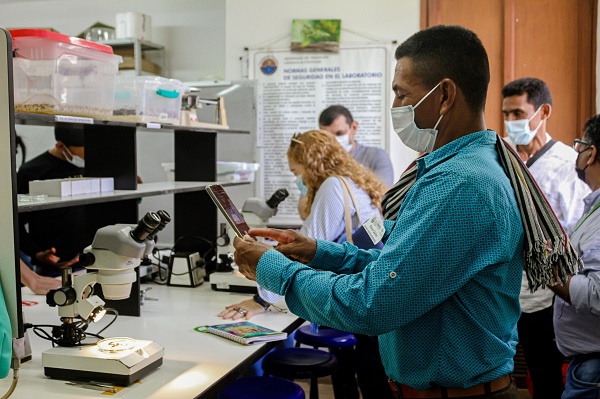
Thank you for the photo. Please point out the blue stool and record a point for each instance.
(324, 338)
(262, 388)
(294, 363)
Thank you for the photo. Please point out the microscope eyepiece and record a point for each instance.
(165, 218)
(277, 197)
(145, 226)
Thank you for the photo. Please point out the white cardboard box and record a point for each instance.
(52, 188)
(107, 184)
(81, 186)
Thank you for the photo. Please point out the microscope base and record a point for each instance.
(88, 363)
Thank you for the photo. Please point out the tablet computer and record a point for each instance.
(228, 209)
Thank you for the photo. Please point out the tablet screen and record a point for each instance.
(228, 209)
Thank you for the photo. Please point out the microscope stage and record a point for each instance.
(90, 363)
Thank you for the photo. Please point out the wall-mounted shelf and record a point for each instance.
(143, 190)
(111, 151)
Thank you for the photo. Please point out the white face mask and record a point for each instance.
(344, 141)
(75, 159)
(415, 138)
(520, 132)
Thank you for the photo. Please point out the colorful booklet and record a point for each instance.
(244, 332)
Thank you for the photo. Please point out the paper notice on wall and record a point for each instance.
(292, 90)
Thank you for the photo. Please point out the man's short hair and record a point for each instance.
(69, 136)
(453, 52)
(331, 113)
(591, 131)
(537, 91)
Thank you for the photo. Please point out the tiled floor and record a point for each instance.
(326, 391)
(325, 388)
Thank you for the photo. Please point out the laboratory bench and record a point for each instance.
(195, 365)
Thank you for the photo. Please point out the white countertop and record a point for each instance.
(193, 362)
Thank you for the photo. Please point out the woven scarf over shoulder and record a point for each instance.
(548, 257)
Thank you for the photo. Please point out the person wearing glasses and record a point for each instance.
(577, 306)
(526, 106)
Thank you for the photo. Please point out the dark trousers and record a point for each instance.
(544, 361)
(363, 362)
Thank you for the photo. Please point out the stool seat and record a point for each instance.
(325, 338)
(293, 363)
(262, 388)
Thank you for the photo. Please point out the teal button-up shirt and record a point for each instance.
(443, 293)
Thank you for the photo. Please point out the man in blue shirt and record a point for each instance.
(443, 293)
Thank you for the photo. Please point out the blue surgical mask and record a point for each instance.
(344, 141)
(520, 132)
(415, 138)
(75, 160)
(301, 187)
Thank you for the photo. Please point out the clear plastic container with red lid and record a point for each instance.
(59, 74)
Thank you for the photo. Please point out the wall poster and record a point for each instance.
(293, 88)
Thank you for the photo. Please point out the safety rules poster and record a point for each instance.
(292, 90)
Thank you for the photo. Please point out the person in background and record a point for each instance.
(53, 238)
(527, 105)
(577, 306)
(318, 159)
(443, 293)
(338, 121)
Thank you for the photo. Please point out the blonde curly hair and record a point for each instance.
(322, 156)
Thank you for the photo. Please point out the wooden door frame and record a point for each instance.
(586, 71)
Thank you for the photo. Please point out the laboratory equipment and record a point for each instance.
(113, 256)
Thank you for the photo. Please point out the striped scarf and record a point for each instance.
(548, 256)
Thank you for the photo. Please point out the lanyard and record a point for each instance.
(587, 215)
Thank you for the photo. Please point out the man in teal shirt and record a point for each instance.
(443, 293)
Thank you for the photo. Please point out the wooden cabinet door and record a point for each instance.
(553, 40)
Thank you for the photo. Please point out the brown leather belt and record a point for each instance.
(406, 392)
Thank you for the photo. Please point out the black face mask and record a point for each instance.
(581, 172)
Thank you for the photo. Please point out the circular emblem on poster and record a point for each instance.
(268, 65)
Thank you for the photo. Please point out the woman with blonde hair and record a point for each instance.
(317, 159)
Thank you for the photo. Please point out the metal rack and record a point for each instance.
(139, 48)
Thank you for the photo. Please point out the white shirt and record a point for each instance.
(554, 172)
(326, 219)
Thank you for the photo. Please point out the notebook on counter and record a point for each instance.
(244, 332)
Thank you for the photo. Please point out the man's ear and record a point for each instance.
(593, 155)
(546, 111)
(59, 146)
(448, 89)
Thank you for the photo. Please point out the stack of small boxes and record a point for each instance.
(72, 186)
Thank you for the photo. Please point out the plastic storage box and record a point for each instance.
(236, 172)
(148, 99)
(58, 74)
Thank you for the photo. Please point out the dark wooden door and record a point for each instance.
(553, 40)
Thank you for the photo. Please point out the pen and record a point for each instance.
(93, 385)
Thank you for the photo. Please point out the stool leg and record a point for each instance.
(314, 389)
